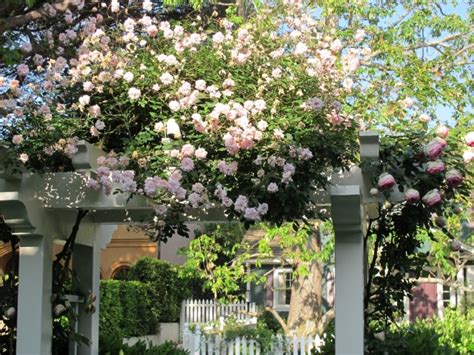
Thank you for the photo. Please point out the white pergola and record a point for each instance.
(42, 208)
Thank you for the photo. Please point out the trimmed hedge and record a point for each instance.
(169, 287)
(127, 309)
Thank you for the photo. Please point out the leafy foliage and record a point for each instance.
(170, 287)
(127, 309)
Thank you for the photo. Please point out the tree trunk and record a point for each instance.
(306, 296)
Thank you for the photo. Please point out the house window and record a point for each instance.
(120, 273)
(282, 279)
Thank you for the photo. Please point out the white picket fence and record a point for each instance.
(206, 311)
(197, 344)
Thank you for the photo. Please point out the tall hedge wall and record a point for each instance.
(127, 309)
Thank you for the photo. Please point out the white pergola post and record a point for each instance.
(41, 208)
(34, 322)
(86, 270)
(347, 218)
(86, 266)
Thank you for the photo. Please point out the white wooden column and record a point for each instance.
(35, 325)
(86, 266)
(346, 214)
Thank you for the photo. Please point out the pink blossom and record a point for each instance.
(424, 118)
(200, 153)
(412, 196)
(198, 188)
(200, 85)
(24, 157)
(92, 184)
(194, 199)
(386, 181)
(147, 5)
(262, 125)
(250, 214)
(151, 30)
(174, 105)
(469, 138)
(166, 78)
(84, 100)
(100, 125)
(407, 102)
(240, 203)
(115, 6)
(301, 48)
(468, 156)
(134, 93)
(87, 86)
(128, 77)
(454, 178)
(187, 164)
(432, 197)
(359, 35)
(187, 150)
(22, 70)
(17, 139)
(94, 110)
(336, 45)
(172, 128)
(433, 149)
(278, 133)
(262, 209)
(434, 167)
(218, 38)
(442, 131)
(272, 187)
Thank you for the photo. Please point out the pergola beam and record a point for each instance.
(41, 208)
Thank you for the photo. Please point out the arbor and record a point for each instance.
(253, 116)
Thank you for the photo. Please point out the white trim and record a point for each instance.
(276, 306)
(440, 300)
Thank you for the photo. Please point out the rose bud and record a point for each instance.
(59, 309)
(455, 245)
(412, 196)
(440, 221)
(373, 191)
(433, 149)
(442, 131)
(10, 313)
(386, 181)
(434, 167)
(469, 138)
(432, 197)
(441, 141)
(454, 178)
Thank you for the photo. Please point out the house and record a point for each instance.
(276, 291)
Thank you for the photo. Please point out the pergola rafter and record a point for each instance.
(42, 208)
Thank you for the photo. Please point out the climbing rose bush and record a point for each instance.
(197, 113)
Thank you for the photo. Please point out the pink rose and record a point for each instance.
(17, 139)
(432, 197)
(200, 153)
(412, 196)
(434, 167)
(187, 150)
(454, 178)
(433, 149)
(469, 139)
(386, 181)
(442, 131)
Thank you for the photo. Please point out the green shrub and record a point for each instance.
(127, 309)
(169, 287)
(142, 348)
(452, 335)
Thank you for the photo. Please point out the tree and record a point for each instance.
(245, 115)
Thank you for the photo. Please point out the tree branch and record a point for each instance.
(14, 22)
